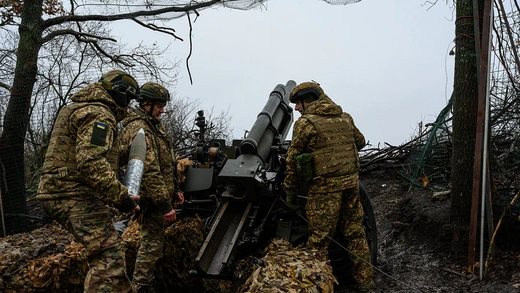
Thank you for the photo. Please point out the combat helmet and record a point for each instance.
(121, 86)
(307, 91)
(154, 93)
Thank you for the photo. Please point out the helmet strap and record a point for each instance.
(152, 107)
(121, 98)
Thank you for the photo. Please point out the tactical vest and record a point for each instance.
(159, 131)
(61, 153)
(335, 152)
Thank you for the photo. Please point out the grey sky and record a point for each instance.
(385, 62)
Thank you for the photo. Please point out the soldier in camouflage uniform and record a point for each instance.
(79, 177)
(159, 185)
(329, 137)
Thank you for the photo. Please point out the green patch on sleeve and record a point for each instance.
(99, 134)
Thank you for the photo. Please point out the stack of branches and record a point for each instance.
(383, 158)
(504, 167)
(396, 157)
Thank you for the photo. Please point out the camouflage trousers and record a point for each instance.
(151, 247)
(342, 210)
(89, 221)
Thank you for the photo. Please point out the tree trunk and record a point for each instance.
(16, 120)
(465, 105)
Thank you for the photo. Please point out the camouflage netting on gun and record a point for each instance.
(132, 238)
(45, 260)
(288, 269)
(49, 260)
(183, 241)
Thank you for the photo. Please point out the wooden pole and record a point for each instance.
(480, 143)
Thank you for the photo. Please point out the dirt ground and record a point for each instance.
(414, 245)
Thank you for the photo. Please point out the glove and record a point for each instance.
(291, 200)
(128, 204)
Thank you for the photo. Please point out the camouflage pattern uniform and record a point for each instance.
(79, 178)
(332, 138)
(158, 188)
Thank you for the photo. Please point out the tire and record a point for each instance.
(369, 223)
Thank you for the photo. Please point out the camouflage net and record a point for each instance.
(49, 260)
(288, 269)
(183, 240)
(341, 2)
(44, 260)
(132, 237)
(105, 7)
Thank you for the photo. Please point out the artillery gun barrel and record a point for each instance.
(247, 195)
(272, 124)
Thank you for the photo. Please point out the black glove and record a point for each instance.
(126, 205)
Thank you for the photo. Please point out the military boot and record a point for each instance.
(146, 289)
(367, 287)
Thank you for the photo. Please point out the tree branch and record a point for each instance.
(165, 30)
(82, 37)
(116, 59)
(90, 39)
(80, 18)
(191, 49)
(5, 86)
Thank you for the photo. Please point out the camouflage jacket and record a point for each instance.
(158, 183)
(308, 137)
(82, 156)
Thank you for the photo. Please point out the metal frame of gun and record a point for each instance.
(244, 184)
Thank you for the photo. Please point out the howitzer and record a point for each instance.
(240, 189)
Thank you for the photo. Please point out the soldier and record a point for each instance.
(327, 137)
(159, 185)
(79, 177)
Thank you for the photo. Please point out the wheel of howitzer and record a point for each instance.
(339, 258)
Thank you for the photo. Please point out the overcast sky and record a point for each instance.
(385, 62)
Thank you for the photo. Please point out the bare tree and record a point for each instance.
(180, 123)
(57, 30)
(464, 123)
(41, 21)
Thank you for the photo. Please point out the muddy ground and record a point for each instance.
(414, 244)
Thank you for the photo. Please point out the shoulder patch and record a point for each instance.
(99, 134)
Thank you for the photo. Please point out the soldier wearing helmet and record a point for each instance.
(330, 138)
(304, 94)
(159, 186)
(79, 176)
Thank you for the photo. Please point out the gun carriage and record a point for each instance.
(238, 190)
